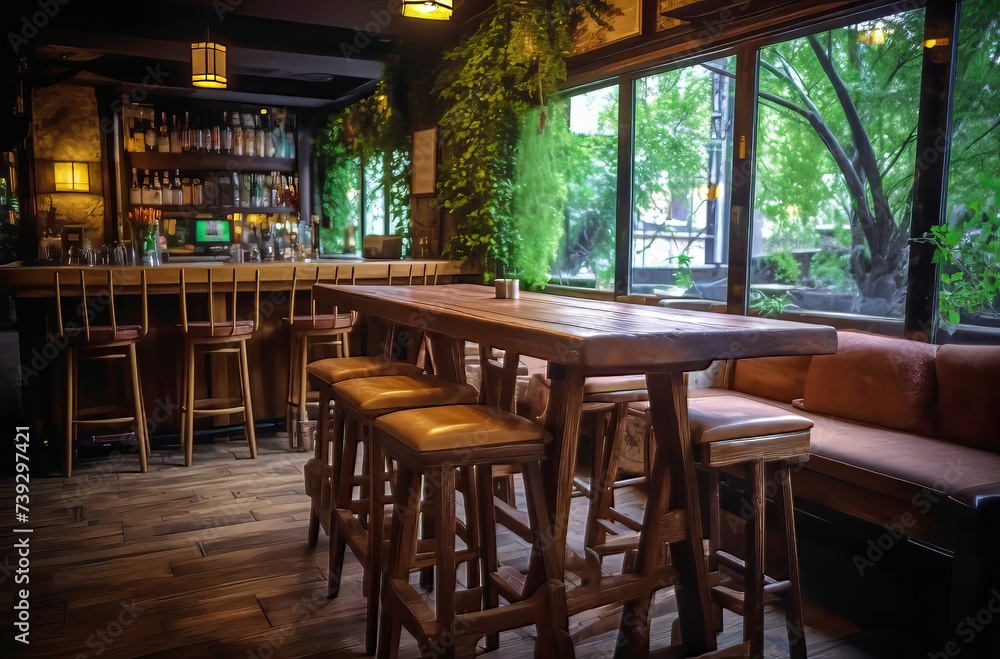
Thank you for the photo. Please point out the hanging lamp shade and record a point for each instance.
(435, 10)
(208, 65)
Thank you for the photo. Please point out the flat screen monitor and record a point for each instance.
(213, 231)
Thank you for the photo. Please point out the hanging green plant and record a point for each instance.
(513, 62)
(367, 131)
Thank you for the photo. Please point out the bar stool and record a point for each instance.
(429, 444)
(759, 441)
(358, 522)
(222, 334)
(310, 331)
(100, 343)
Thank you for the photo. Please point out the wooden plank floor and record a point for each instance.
(212, 561)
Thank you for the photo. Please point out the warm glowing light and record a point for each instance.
(435, 10)
(874, 36)
(208, 65)
(72, 177)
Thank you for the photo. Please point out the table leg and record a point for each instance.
(668, 408)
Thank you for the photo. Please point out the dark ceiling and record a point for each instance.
(307, 53)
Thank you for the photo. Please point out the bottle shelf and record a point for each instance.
(217, 161)
(208, 209)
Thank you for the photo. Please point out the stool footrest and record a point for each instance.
(509, 582)
(512, 518)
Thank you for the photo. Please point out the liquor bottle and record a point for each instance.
(290, 136)
(151, 134)
(178, 194)
(216, 137)
(163, 145)
(138, 136)
(176, 141)
(225, 191)
(157, 198)
(227, 134)
(250, 147)
(168, 189)
(237, 135)
(186, 139)
(134, 192)
(207, 136)
(236, 190)
(197, 136)
(258, 124)
(147, 190)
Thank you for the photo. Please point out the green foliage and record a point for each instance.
(968, 252)
(365, 136)
(512, 62)
(683, 276)
(539, 197)
(766, 304)
(829, 269)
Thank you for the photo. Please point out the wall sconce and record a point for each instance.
(72, 176)
(208, 65)
(435, 10)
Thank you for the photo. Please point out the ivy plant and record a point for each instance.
(512, 63)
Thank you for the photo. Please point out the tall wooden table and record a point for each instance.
(580, 338)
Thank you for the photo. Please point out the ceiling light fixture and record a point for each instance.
(435, 10)
(208, 61)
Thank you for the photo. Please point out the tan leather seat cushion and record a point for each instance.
(457, 426)
(778, 378)
(338, 369)
(877, 379)
(897, 463)
(396, 392)
(613, 384)
(718, 418)
(968, 404)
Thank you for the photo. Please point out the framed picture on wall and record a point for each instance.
(424, 168)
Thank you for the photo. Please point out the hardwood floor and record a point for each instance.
(212, 561)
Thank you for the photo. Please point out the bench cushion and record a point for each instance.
(967, 415)
(875, 379)
(778, 378)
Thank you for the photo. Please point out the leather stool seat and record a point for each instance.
(721, 418)
(104, 334)
(457, 430)
(322, 321)
(613, 384)
(338, 369)
(379, 395)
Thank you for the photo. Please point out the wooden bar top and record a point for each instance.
(37, 281)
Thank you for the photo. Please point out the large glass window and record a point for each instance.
(970, 286)
(586, 254)
(836, 132)
(681, 168)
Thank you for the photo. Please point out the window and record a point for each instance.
(970, 286)
(681, 168)
(588, 165)
(835, 154)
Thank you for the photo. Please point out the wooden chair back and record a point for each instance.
(228, 286)
(104, 298)
(415, 274)
(349, 278)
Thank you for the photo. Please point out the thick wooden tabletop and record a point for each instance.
(594, 335)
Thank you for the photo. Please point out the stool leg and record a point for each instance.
(753, 574)
(376, 518)
(445, 582)
(487, 544)
(303, 414)
(321, 452)
(70, 407)
(140, 417)
(342, 499)
(187, 435)
(247, 403)
(714, 540)
(290, 400)
(402, 549)
(793, 597)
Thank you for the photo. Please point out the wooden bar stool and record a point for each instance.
(99, 343)
(429, 444)
(758, 441)
(358, 521)
(222, 334)
(307, 331)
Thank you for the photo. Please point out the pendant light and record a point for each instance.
(435, 10)
(208, 62)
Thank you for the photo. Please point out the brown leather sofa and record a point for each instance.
(906, 436)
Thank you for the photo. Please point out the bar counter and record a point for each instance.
(161, 350)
